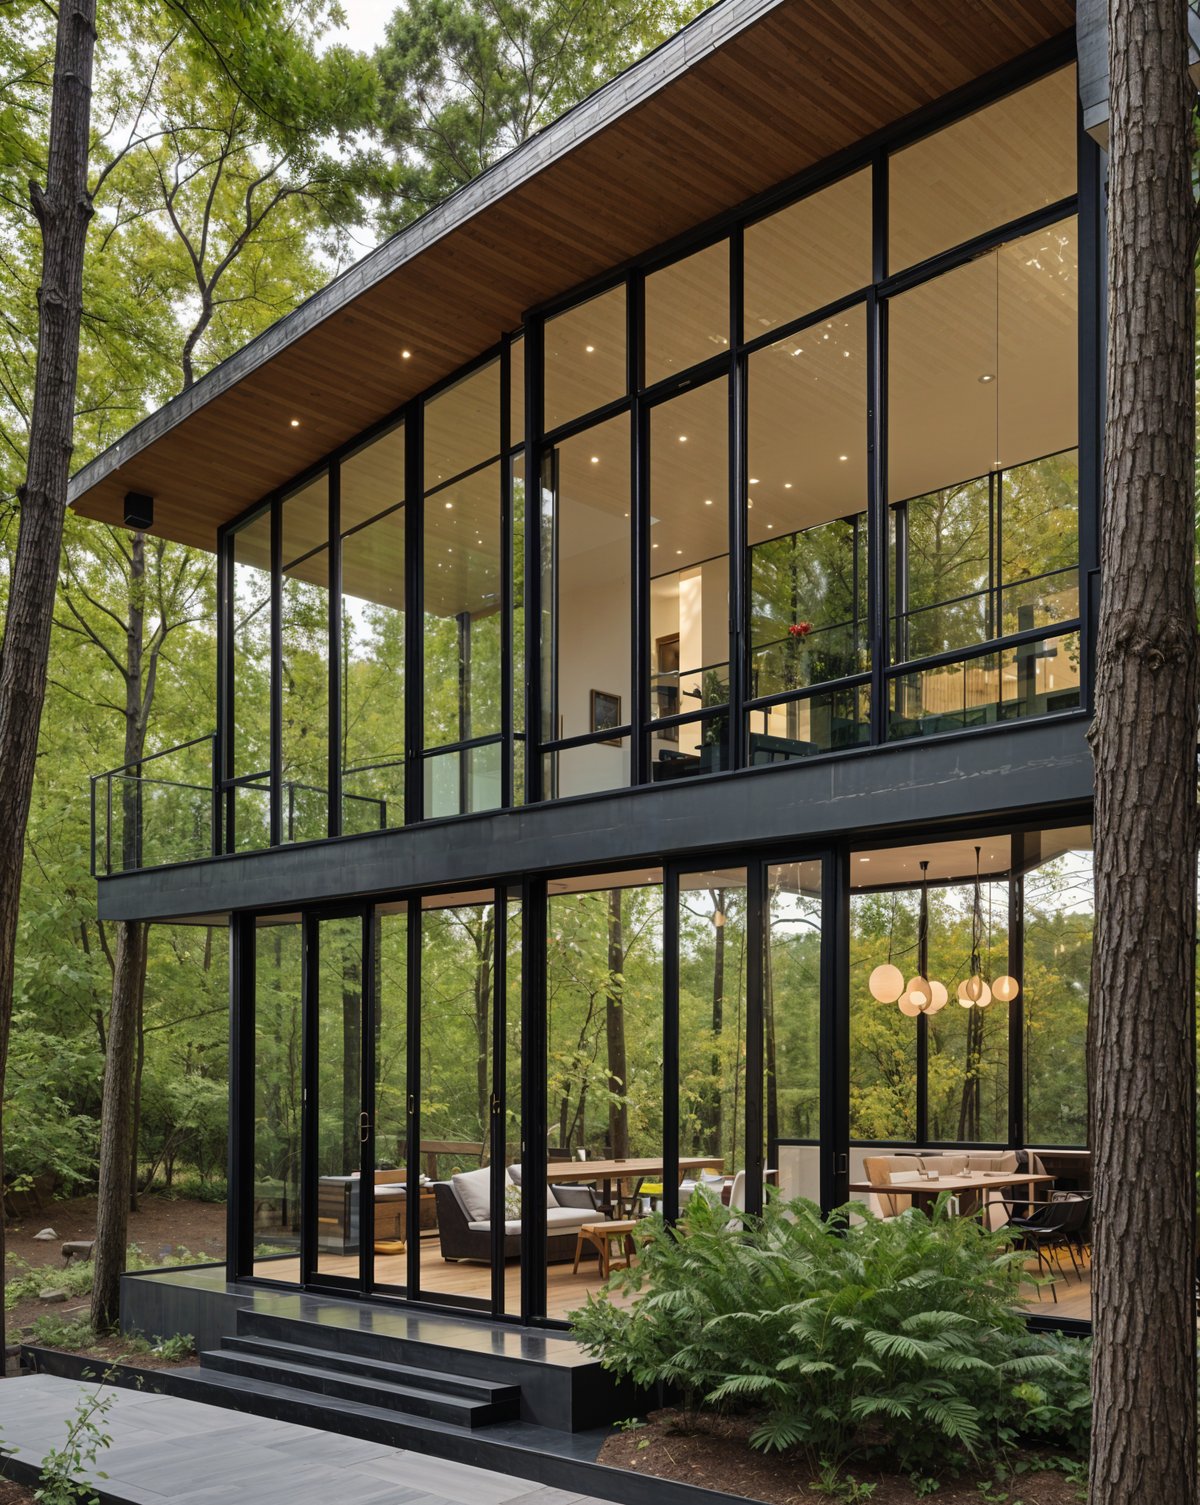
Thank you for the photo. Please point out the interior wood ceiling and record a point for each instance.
(802, 82)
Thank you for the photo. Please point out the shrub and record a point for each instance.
(896, 1337)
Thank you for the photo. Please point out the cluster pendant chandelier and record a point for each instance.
(923, 994)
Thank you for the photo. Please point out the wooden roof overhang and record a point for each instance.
(752, 93)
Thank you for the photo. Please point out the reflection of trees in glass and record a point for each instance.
(457, 989)
(966, 542)
(712, 1012)
(791, 1014)
(808, 580)
(277, 1082)
(604, 1045)
(1058, 960)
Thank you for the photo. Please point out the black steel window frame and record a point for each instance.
(638, 400)
(835, 1143)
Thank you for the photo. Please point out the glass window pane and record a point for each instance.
(462, 609)
(713, 933)
(604, 1054)
(277, 1087)
(586, 590)
(806, 499)
(516, 398)
(814, 252)
(339, 1096)
(792, 1027)
(687, 312)
(457, 783)
(688, 648)
(251, 648)
(305, 666)
(372, 748)
(828, 721)
(1059, 921)
(883, 1043)
(390, 1022)
(372, 480)
(968, 1047)
(462, 425)
(983, 365)
(585, 363)
(698, 745)
(591, 769)
(1032, 679)
(458, 984)
(1008, 159)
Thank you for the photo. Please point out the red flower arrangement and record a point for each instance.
(800, 629)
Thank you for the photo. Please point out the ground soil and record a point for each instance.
(713, 1452)
(14, 1494)
(163, 1229)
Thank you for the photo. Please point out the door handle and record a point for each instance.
(364, 1127)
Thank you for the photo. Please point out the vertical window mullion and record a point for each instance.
(334, 728)
(670, 1045)
(757, 938)
(414, 625)
(534, 666)
(497, 1119)
(739, 595)
(835, 1029)
(639, 512)
(275, 774)
(506, 579)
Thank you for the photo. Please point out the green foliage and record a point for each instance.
(62, 1332)
(464, 84)
(23, 1281)
(837, 1485)
(843, 1338)
(176, 1348)
(59, 1479)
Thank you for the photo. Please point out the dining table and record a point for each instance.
(619, 1171)
(925, 1192)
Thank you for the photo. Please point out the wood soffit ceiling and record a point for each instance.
(663, 148)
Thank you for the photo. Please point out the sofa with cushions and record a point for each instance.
(464, 1207)
(897, 1171)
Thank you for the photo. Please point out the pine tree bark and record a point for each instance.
(112, 1203)
(1141, 1045)
(63, 209)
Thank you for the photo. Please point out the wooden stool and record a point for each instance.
(600, 1236)
(390, 1246)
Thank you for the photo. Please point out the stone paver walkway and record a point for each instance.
(164, 1449)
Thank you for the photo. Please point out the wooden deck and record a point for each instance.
(564, 1290)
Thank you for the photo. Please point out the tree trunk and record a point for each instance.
(614, 1025)
(112, 1210)
(1141, 1054)
(63, 210)
(139, 1063)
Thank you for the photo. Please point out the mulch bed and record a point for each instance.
(14, 1494)
(116, 1350)
(714, 1453)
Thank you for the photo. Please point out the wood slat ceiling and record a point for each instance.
(801, 81)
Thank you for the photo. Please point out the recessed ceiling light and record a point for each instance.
(754, 480)
(864, 859)
(406, 355)
(987, 376)
(787, 485)
(843, 457)
(295, 423)
(654, 546)
(595, 459)
(449, 506)
(708, 501)
(590, 349)
(679, 551)
(770, 525)
(683, 438)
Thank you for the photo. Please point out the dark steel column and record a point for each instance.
(757, 940)
(334, 776)
(414, 603)
(533, 1102)
(275, 775)
(835, 1029)
(1017, 1127)
(670, 995)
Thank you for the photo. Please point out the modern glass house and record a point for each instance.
(657, 589)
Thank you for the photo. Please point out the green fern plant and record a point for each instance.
(842, 1337)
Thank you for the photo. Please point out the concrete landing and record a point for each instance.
(165, 1449)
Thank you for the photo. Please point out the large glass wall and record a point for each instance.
(809, 485)
(792, 1029)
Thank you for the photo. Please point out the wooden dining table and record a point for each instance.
(637, 1171)
(925, 1193)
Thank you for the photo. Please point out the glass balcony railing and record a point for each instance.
(160, 810)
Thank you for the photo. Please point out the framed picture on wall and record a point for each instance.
(606, 714)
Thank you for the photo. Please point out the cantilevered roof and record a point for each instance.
(751, 93)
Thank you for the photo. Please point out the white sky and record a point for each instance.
(366, 21)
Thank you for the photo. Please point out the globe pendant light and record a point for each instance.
(922, 995)
(886, 983)
(975, 992)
